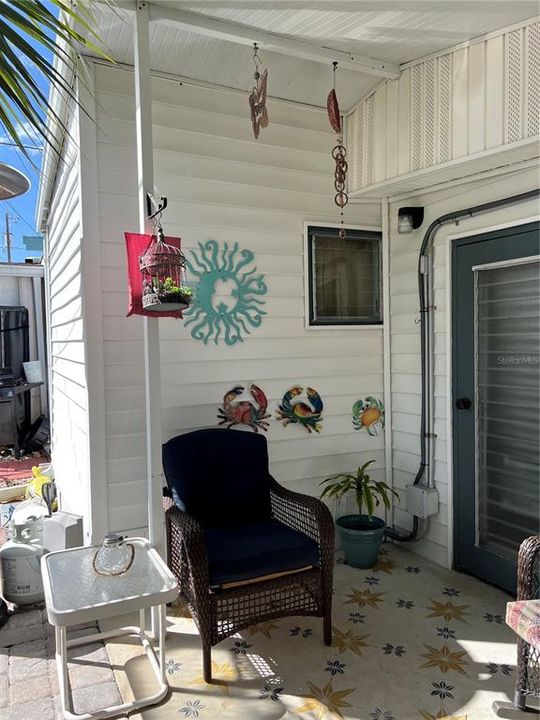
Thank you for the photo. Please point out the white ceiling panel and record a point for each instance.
(398, 30)
(394, 31)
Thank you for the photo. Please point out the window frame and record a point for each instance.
(309, 322)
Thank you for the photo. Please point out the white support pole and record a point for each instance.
(152, 366)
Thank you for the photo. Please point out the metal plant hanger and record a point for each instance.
(257, 98)
(338, 152)
(163, 267)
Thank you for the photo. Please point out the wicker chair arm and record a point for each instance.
(188, 559)
(304, 513)
(528, 568)
(186, 530)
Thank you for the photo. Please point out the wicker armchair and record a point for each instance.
(528, 656)
(528, 662)
(244, 549)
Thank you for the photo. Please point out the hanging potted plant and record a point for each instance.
(166, 295)
(163, 269)
(361, 534)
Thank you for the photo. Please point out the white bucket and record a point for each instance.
(33, 371)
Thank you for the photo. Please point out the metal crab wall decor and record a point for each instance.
(244, 412)
(306, 412)
(228, 301)
(368, 415)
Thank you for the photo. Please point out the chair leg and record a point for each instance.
(509, 711)
(520, 700)
(327, 629)
(207, 663)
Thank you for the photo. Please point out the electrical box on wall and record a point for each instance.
(421, 501)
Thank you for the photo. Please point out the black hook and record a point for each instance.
(154, 208)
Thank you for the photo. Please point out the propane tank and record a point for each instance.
(20, 562)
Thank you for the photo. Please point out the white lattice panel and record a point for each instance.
(444, 114)
(355, 148)
(417, 115)
(533, 79)
(369, 135)
(445, 99)
(430, 132)
(351, 146)
(514, 77)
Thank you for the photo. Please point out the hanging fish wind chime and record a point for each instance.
(257, 98)
(338, 153)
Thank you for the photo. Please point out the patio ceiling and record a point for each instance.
(393, 32)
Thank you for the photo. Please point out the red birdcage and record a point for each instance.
(163, 270)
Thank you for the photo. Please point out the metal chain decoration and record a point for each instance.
(257, 98)
(338, 153)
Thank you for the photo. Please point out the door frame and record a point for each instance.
(449, 364)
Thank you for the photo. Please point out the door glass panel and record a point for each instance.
(507, 405)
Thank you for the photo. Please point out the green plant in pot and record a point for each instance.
(173, 293)
(163, 295)
(361, 534)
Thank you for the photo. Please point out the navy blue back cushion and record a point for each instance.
(219, 476)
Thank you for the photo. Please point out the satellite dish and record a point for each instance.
(12, 182)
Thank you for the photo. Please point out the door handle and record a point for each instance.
(463, 403)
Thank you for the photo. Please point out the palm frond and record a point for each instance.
(31, 33)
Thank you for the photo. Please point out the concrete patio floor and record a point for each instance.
(28, 678)
(412, 641)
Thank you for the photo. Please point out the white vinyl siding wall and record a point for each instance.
(224, 185)
(405, 337)
(68, 386)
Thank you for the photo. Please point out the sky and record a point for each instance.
(21, 210)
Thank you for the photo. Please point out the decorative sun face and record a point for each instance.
(227, 303)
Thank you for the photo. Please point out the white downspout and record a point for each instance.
(152, 367)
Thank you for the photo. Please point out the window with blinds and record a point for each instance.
(507, 348)
(344, 277)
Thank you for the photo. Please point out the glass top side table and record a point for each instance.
(75, 594)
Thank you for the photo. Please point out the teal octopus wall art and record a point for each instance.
(368, 415)
(294, 409)
(227, 302)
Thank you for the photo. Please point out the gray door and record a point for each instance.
(495, 304)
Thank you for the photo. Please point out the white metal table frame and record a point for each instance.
(120, 607)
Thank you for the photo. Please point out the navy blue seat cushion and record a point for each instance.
(220, 477)
(250, 551)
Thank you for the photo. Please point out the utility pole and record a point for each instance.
(8, 238)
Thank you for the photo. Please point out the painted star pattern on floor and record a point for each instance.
(444, 659)
(364, 598)
(410, 641)
(448, 610)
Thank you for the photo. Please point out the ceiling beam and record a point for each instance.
(247, 35)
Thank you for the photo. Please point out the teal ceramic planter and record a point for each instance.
(361, 538)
